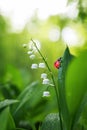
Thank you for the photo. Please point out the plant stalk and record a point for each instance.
(56, 90)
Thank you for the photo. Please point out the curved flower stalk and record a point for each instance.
(46, 81)
(33, 49)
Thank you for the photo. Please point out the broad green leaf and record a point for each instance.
(25, 95)
(66, 59)
(7, 102)
(76, 86)
(32, 105)
(6, 121)
(51, 122)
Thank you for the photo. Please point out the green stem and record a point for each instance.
(56, 90)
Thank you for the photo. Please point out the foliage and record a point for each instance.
(8, 120)
(76, 92)
(72, 90)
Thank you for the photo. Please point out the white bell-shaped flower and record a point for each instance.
(42, 65)
(43, 75)
(46, 94)
(34, 66)
(32, 56)
(46, 81)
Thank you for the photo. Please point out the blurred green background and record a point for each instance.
(53, 34)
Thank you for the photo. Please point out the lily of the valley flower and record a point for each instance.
(42, 65)
(46, 94)
(32, 56)
(43, 75)
(46, 81)
(34, 66)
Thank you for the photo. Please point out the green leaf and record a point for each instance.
(66, 59)
(25, 96)
(7, 102)
(11, 123)
(51, 122)
(32, 105)
(76, 88)
(83, 119)
(6, 121)
(4, 117)
(79, 111)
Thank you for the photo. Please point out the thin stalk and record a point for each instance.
(52, 76)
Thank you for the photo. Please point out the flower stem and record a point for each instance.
(52, 76)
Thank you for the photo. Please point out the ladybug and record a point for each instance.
(57, 64)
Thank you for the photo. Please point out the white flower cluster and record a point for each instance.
(32, 50)
(45, 81)
(31, 54)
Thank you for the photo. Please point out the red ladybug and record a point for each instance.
(57, 63)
